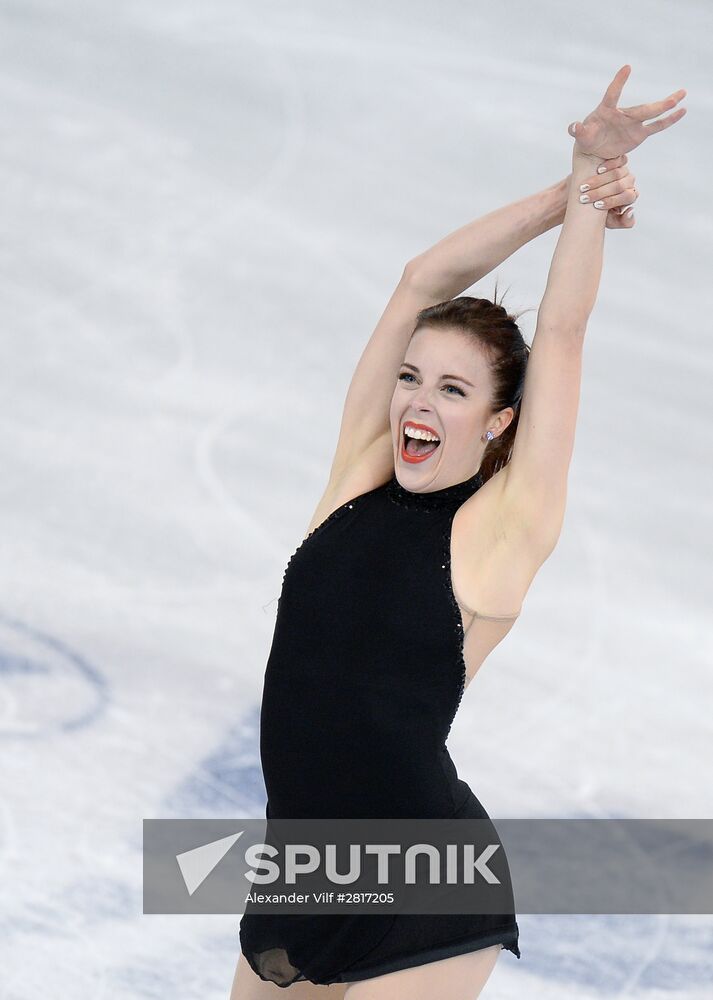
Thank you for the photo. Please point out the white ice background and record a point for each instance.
(205, 207)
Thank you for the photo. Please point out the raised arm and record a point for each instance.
(453, 264)
(535, 485)
(535, 478)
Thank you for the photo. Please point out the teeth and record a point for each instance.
(423, 435)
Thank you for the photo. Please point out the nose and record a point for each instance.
(421, 399)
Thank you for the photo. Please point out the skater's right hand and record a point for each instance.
(609, 131)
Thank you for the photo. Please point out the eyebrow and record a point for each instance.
(458, 378)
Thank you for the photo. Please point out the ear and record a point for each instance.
(504, 418)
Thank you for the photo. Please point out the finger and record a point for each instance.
(623, 209)
(609, 182)
(628, 221)
(621, 181)
(663, 123)
(623, 221)
(616, 161)
(626, 198)
(613, 91)
(642, 112)
(608, 165)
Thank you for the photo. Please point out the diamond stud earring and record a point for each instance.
(489, 435)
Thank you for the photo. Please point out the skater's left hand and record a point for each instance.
(609, 131)
(615, 187)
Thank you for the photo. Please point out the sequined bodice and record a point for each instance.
(364, 678)
(442, 499)
(366, 664)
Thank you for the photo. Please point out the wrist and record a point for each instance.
(589, 160)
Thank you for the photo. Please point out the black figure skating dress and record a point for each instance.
(364, 678)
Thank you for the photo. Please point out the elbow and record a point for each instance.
(413, 274)
(431, 284)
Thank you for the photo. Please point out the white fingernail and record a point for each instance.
(601, 169)
(630, 213)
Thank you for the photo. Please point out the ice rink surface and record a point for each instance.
(205, 208)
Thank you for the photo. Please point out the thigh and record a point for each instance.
(248, 986)
(459, 978)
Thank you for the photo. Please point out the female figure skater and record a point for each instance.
(446, 494)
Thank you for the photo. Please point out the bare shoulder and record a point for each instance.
(374, 468)
(494, 558)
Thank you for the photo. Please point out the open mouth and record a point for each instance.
(417, 449)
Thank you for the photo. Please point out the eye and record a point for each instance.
(449, 385)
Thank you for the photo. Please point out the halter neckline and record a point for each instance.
(447, 496)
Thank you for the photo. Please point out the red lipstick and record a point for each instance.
(414, 459)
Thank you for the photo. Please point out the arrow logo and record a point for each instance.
(197, 864)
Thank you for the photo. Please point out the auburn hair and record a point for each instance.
(498, 334)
